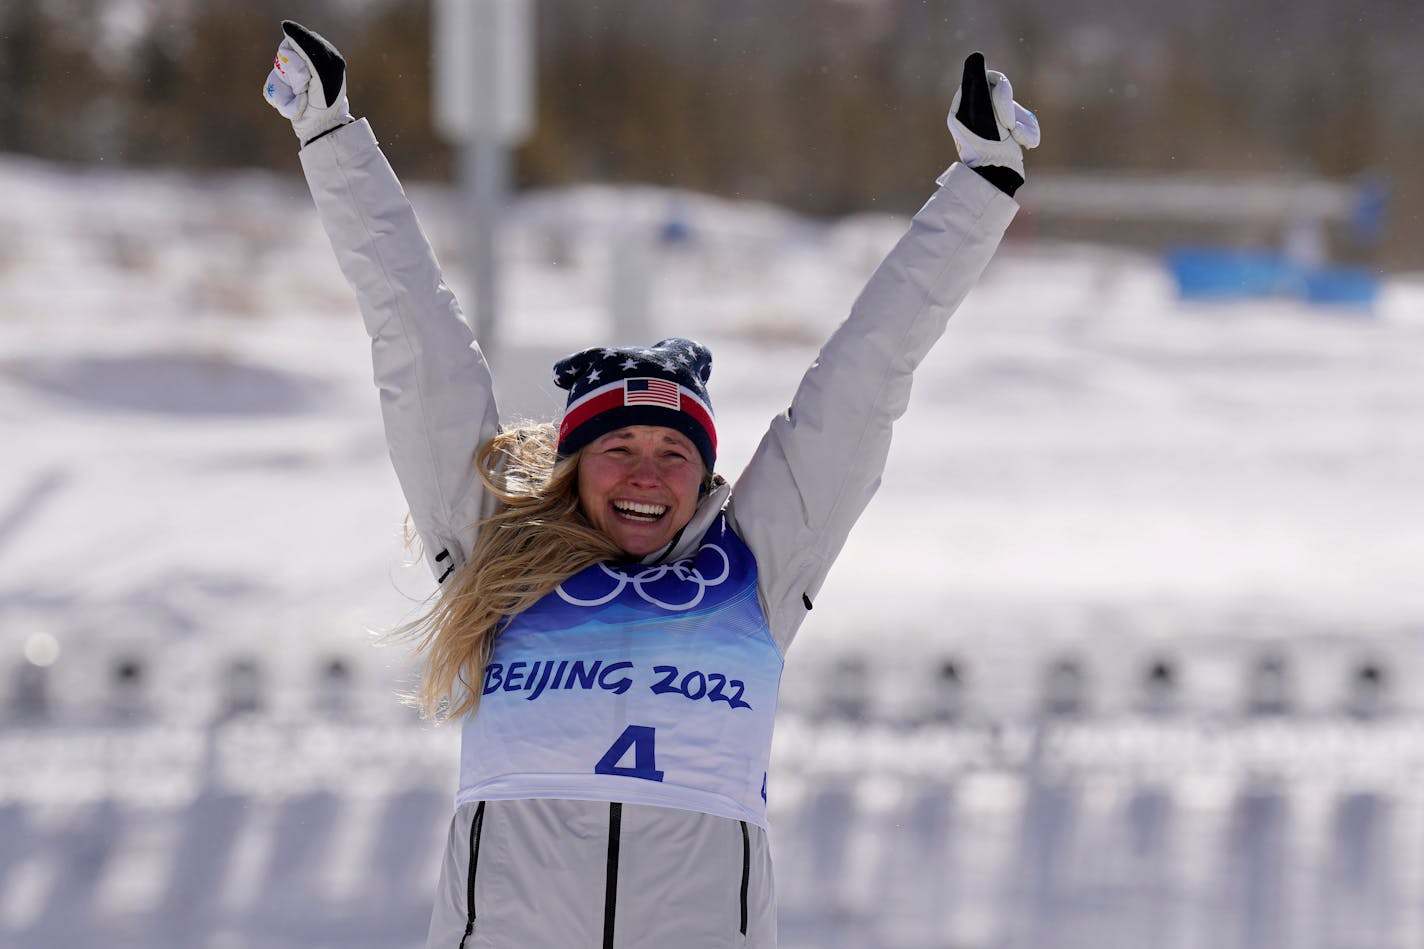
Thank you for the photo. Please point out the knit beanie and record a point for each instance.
(663, 384)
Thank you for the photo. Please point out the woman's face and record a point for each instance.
(639, 485)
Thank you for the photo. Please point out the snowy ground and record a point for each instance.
(196, 515)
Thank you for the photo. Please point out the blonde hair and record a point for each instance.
(536, 538)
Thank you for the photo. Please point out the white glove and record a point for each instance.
(307, 83)
(1016, 127)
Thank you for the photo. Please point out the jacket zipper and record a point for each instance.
(746, 872)
(476, 826)
(610, 890)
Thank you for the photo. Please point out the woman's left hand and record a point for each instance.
(989, 127)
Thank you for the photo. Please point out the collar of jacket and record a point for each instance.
(685, 544)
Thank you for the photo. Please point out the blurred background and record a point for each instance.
(823, 106)
(1125, 653)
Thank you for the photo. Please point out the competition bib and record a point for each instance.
(646, 684)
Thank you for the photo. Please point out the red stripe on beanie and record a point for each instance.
(691, 405)
(588, 408)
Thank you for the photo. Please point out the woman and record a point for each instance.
(612, 615)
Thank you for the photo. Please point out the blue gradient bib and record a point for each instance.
(646, 684)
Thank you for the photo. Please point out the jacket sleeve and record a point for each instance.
(437, 400)
(820, 463)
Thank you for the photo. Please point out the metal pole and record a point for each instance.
(484, 100)
(484, 176)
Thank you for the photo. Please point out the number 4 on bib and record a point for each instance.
(640, 738)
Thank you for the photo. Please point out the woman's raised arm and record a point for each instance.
(436, 396)
(820, 463)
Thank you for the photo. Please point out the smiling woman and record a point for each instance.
(644, 422)
(639, 485)
(612, 615)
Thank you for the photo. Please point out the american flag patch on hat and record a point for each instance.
(652, 392)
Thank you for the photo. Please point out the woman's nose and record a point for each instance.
(645, 469)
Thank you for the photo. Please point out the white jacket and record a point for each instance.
(561, 873)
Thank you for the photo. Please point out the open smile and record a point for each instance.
(639, 512)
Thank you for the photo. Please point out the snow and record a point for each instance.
(195, 475)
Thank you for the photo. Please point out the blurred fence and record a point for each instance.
(931, 824)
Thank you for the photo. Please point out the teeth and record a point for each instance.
(651, 511)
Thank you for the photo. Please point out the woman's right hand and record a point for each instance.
(307, 83)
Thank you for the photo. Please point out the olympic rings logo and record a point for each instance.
(686, 580)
